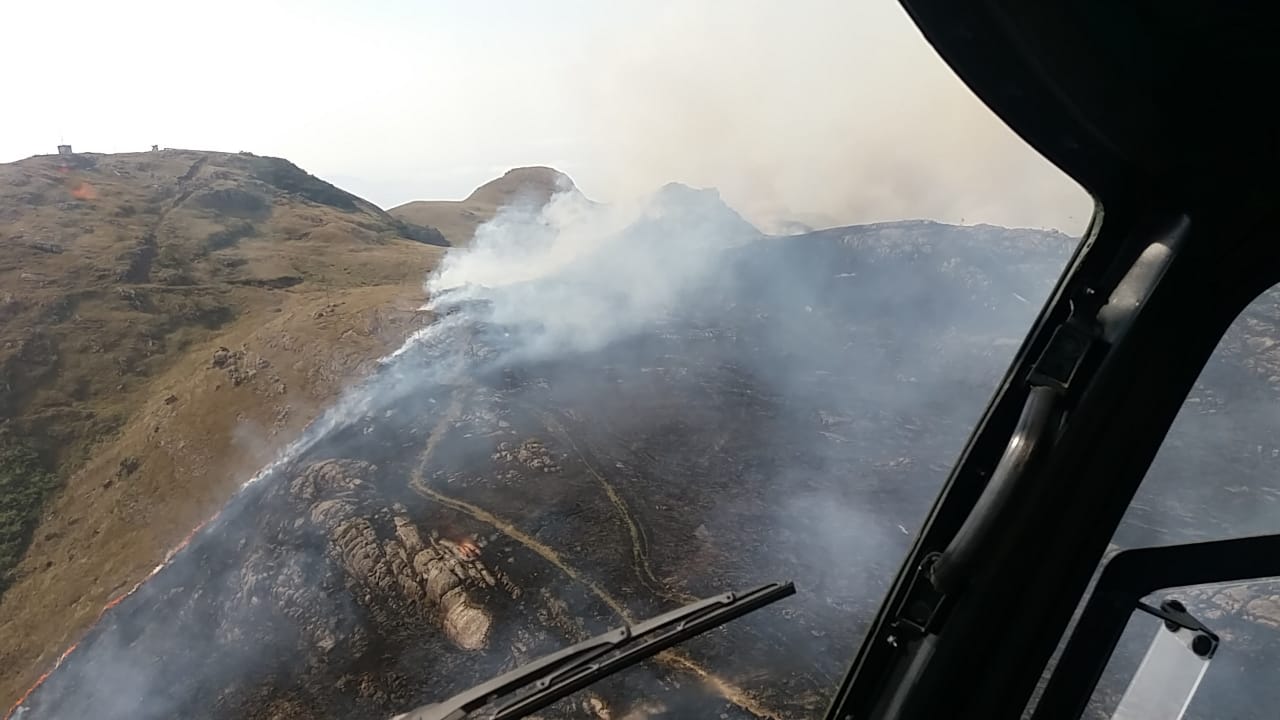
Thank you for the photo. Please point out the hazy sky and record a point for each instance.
(832, 112)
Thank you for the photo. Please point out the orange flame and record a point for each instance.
(40, 680)
(465, 548)
(84, 191)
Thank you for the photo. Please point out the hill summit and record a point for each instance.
(534, 184)
(457, 220)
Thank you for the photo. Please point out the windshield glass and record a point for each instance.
(577, 312)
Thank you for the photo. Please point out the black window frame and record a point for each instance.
(1126, 578)
(1163, 167)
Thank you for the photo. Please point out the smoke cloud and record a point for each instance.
(823, 112)
(575, 276)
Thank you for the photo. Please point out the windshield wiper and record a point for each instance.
(539, 683)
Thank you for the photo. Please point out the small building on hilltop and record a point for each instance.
(64, 149)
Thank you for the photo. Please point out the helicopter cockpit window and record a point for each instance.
(427, 340)
(1214, 657)
(1214, 480)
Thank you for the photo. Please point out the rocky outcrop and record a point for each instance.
(444, 579)
(531, 453)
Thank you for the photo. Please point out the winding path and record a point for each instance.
(672, 658)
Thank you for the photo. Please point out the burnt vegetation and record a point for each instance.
(234, 232)
(289, 178)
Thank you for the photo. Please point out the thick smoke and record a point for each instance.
(824, 112)
(575, 276)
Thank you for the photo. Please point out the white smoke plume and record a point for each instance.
(574, 276)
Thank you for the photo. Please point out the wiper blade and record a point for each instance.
(539, 683)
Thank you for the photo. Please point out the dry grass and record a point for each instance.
(120, 276)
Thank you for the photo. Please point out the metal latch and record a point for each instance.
(922, 603)
(1066, 357)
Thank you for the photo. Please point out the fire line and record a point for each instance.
(169, 556)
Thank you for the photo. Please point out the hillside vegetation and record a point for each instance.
(167, 320)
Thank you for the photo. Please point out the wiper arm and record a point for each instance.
(542, 682)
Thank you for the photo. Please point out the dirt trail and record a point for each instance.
(671, 658)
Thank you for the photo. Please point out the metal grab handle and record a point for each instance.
(957, 558)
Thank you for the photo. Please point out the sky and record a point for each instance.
(823, 112)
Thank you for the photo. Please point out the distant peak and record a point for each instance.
(677, 202)
(682, 187)
(530, 173)
(679, 190)
(536, 183)
(674, 195)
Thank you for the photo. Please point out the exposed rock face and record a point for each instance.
(325, 565)
(439, 577)
(531, 453)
